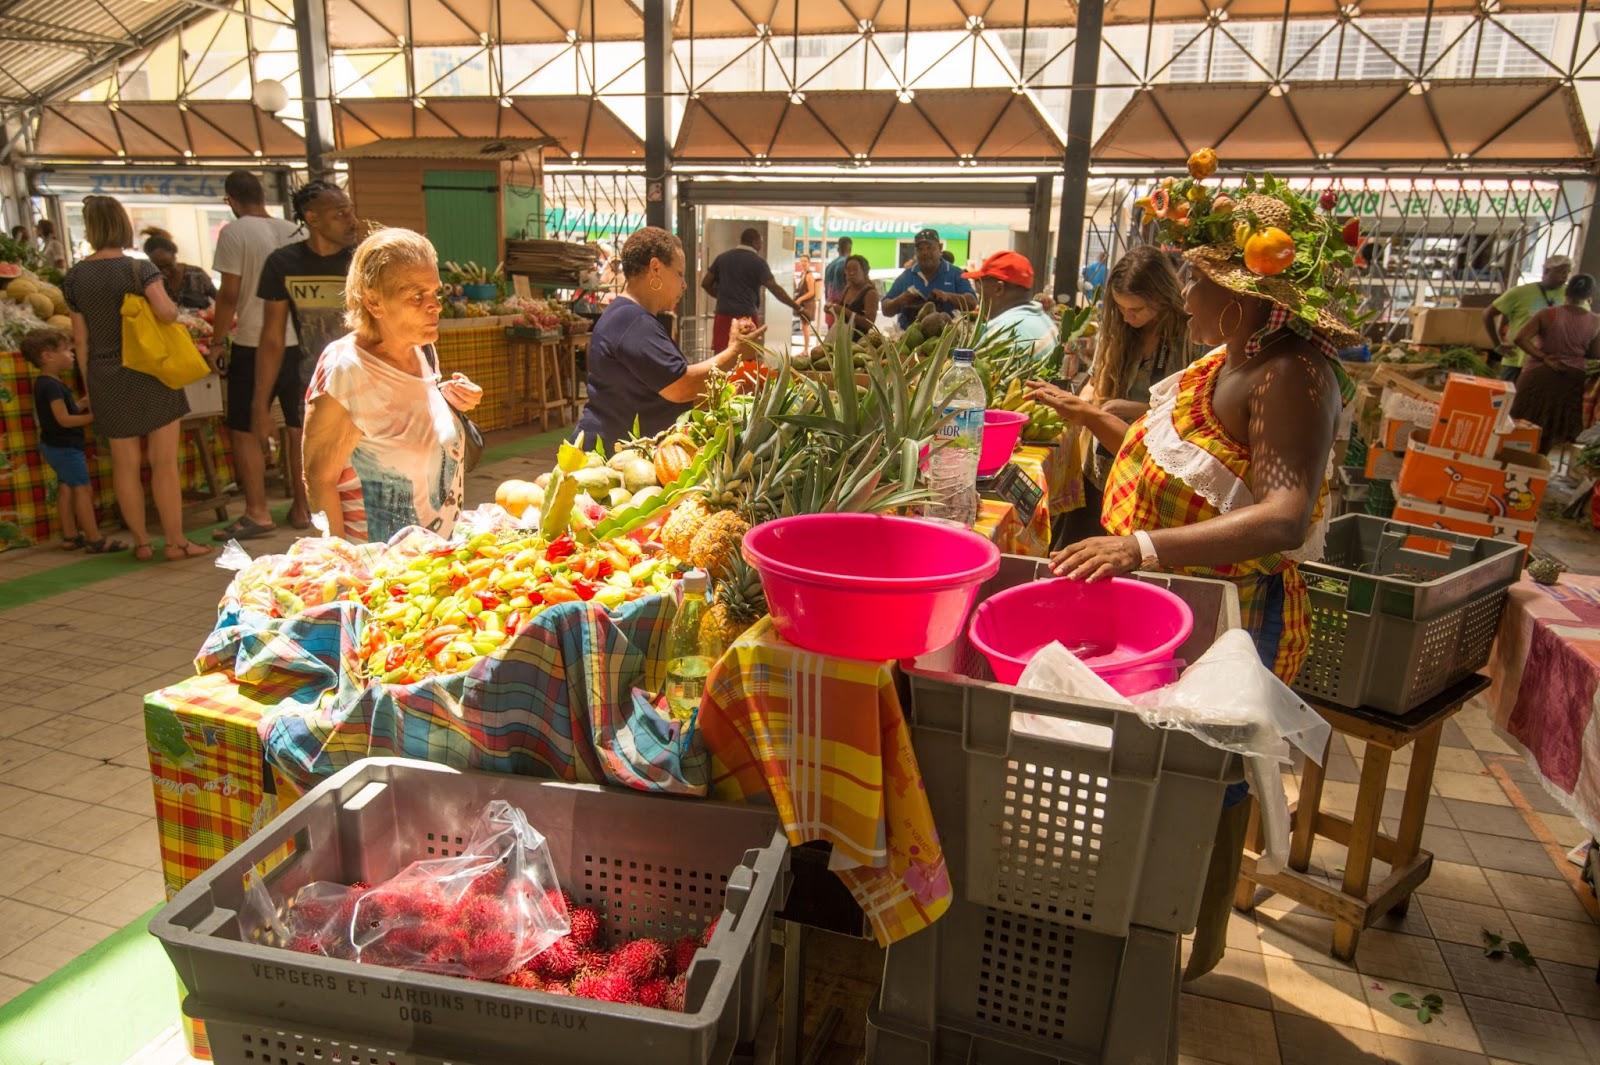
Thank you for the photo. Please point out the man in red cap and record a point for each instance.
(1005, 291)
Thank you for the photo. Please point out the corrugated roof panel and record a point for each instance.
(34, 35)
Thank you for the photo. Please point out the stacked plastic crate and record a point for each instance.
(1077, 838)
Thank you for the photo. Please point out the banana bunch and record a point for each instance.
(1044, 425)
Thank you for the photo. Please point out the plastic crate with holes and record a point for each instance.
(652, 865)
(1399, 612)
(1077, 859)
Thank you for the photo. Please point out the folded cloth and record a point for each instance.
(825, 738)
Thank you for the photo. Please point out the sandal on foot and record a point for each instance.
(186, 551)
(106, 546)
(144, 552)
(77, 543)
(243, 528)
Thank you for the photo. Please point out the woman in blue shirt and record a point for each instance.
(636, 372)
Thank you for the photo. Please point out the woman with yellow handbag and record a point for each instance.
(135, 410)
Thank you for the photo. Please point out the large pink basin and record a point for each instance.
(1001, 431)
(1113, 625)
(866, 585)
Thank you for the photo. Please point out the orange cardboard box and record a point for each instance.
(1524, 436)
(1393, 433)
(1382, 464)
(1474, 413)
(1428, 515)
(1510, 485)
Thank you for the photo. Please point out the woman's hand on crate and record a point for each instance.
(1096, 559)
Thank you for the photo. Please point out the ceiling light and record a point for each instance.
(400, 40)
(183, 105)
(1350, 11)
(975, 23)
(1279, 88)
(256, 152)
(188, 154)
(1418, 87)
(572, 36)
(575, 156)
(864, 27)
(763, 30)
(121, 154)
(905, 96)
(797, 97)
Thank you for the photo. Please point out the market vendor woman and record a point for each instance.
(636, 373)
(1225, 476)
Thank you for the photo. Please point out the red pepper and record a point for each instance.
(458, 581)
(392, 660)
(398, 591)
(1352, 234)
(584, 589)
(562, 547)
(488, 599)
(513, 622)
(602, 569)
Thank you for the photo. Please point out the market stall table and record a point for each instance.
(1357, 903)
(1545, 679)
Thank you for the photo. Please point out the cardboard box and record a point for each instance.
(1509, 485)
(1474, 414)
(1524, 436)
(1431, 516)
(1449, 327)
(1383, 464)
(1394, 432)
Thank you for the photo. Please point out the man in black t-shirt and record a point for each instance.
(735, 279)
(304, 279)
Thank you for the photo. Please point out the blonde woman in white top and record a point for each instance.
(383, 449)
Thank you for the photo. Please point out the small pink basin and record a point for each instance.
(1114, 626)
(866, 585)
(1001, 431)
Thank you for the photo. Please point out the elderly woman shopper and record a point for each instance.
(1225, 476)
(636, 373)
(383, 445)
(136, 412)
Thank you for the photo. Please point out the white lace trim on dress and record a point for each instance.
(1190, 463)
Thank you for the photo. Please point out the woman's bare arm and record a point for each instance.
(329, 439)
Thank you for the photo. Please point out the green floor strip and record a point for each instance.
(72, 576)
(100, 1009)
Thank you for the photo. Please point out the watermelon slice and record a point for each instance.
(10, 270)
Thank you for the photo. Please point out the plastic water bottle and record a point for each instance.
(953, 464)
(689, 659)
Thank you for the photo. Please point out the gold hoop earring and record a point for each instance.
(655, 284)
(1238, 310)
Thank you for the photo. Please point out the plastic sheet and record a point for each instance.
(1227, 699)
(482, 914)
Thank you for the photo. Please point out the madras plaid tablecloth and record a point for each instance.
(1545, 684)
(481, 352)
(826, 740)
(28, 485)
(1001, 523)
(213, 789)
(567, 697)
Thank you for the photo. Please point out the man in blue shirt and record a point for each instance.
(1094, 275)
(929, 278)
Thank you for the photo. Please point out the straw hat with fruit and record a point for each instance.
(1264, 240)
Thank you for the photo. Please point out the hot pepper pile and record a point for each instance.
(441, 610)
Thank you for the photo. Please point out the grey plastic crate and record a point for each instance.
(1112, 831)
(1393, 622)
(1350, 490)
(986, 987)
(651, 865)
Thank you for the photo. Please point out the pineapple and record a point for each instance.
(737, 604)
(677, 534)
(716, 543)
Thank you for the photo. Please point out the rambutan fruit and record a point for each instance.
(641, 960)
(584, 924)
(682, 955)
(490, 953)
(654, 993)
(609, 987)
(523, 978)
(676, 994)
(559, 961)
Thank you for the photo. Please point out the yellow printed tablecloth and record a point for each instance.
(212, 785)
(1001, 523)
(825, 738)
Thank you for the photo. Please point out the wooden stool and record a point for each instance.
(576, 343)
(551, 382)
(202, 431)
(1358, 903)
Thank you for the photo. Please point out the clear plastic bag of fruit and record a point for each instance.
(313, 571)
(481, 914)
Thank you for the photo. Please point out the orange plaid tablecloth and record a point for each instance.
(826, 740)
(210, 779)
(1001, 523)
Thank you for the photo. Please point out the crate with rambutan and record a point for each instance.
(430, 915)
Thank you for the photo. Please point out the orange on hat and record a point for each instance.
(1009, 266)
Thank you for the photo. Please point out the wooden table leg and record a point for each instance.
(1244, 892)
(1363, 841)
(1305, 814)
(1414, 808)
(208, 465)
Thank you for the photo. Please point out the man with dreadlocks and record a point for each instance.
(304, 280)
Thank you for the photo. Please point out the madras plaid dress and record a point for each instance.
(1142, 494)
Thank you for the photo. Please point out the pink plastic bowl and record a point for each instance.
(1114, 626)
(866, 585)
(1001, 431)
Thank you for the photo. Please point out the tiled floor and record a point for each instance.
(78, 854)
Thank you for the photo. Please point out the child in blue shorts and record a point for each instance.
(57, 413)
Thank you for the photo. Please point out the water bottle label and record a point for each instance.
(963, 427)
